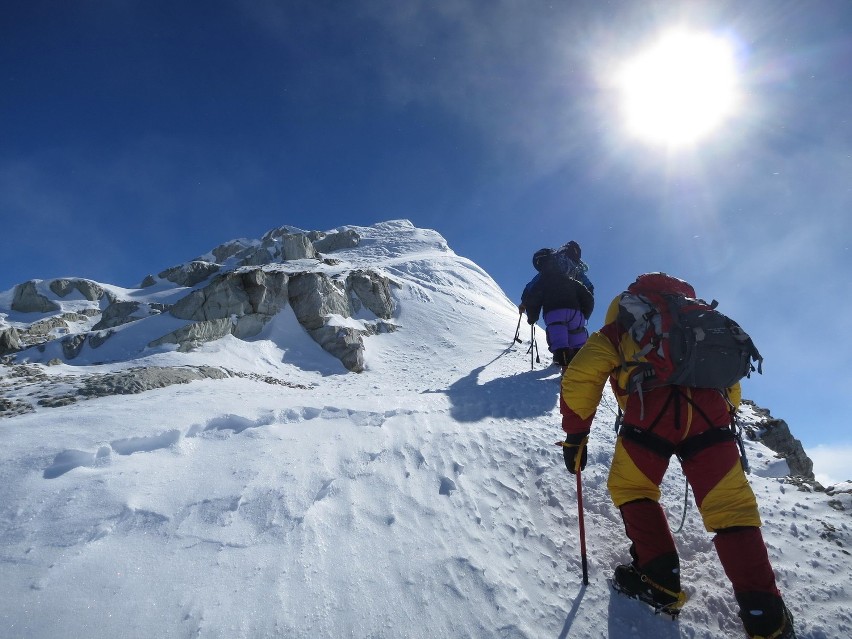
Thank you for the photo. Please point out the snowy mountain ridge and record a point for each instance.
(250, 485)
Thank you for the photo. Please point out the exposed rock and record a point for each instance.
(148, 281)
(97, 339)
(124, 311)
(224, 251)
(139, 380)
(314, 296)
(249, 325)
(256, 256)
(776, 435)
(373, 291)
(90, 290)
(116, 314)
(193, 335)
(337, 241)
(72, 345)
(191, 273)
(345, 343)
(223, 297)
(297, 246)
(27, 299)
(38, 331)
(10, 340)
(253, 297)
(267, 291)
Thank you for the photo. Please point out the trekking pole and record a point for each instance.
(518, 329)
(582, 530)
(533, 351)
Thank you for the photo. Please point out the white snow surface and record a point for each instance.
(422, 498)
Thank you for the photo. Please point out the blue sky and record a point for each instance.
(135, 135)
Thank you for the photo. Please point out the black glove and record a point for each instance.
(574, 452)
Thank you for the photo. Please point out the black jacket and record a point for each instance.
(552, 290)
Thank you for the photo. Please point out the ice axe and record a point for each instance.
(583, 559)
(518, 329)
(578, 473)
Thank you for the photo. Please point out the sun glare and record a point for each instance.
(679, 90)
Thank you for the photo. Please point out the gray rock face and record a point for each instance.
(328, 243)
(776, 435)
(297, 246)
(27, 299)
(193, 335)
(10, 340)
(278, 245)
(124, 311)
(267, 291)
(227, 250)
(373, 291)
(253, 292)
(190, 274)
(238, 302)
(223, 297)
(313, 296)
(72, 345)
(346, 344)
(116, 314)
(139, 380)
(91, 291)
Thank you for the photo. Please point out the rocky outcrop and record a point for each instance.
(193, 335)
(139, 380)
(241, 303)
(191, 273)
(88, 289)
(27, 299)
(236, 292)
(228, 250)
(125, 311)
(373, 291)
(10, 340)
(252, 296)
(330, 242)
(775, 435)
(72, 345)
(296, 246)
(314, 297)
(278, 245)
(116, 314)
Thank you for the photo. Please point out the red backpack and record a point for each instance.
(683, 340)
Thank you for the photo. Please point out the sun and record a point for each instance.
(679, 90)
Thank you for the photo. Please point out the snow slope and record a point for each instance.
(421, 498)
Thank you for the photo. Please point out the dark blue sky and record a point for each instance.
(135, 135)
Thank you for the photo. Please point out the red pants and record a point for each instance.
(725, 501)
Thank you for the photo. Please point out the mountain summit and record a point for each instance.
(333, 434)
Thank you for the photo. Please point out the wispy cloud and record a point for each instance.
(831, 463)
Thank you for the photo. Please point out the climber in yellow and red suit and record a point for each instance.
(694, 424)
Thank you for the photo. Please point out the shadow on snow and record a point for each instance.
(521, 396)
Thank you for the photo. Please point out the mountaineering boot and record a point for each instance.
(765, 616)
(630, 581)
